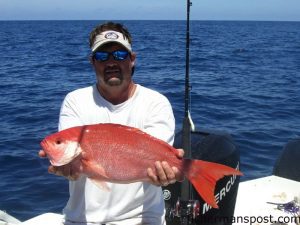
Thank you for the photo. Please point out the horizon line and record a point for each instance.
(204, 20)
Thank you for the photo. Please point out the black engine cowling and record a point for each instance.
(213, 147)
(288, 163)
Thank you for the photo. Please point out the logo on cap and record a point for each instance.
(111, 35)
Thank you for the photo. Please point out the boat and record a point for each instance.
(277, 197)
(273, 199)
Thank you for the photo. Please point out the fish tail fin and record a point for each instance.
(204, 175)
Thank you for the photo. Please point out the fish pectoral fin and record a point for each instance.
(95, 173)
(92, 168)
(100, 184)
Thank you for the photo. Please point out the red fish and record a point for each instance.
(122, 154)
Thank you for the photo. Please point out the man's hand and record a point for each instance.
(165, 174)
(65, 170)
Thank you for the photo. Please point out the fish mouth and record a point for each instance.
(61, 156)
(51, 155)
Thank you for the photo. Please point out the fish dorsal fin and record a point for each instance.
(129, 128)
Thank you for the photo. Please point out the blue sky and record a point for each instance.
(278, 10)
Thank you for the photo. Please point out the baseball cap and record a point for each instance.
(109, 37)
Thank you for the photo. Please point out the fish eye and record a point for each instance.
(58, 142)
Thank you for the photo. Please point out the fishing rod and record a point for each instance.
(187, 208)
(188, 125)
(186, 136)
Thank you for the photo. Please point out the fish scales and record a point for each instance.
(125, 160)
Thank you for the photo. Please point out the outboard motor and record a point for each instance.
(288, 163)
(213, 147)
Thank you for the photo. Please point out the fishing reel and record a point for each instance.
(189, 209)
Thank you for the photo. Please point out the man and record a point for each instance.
(115, 98)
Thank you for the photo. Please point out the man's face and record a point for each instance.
(112, 72)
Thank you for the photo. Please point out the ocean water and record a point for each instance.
(245, 80)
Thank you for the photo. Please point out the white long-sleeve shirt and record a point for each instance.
(135, 203)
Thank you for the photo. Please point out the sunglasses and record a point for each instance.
(118, 55)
